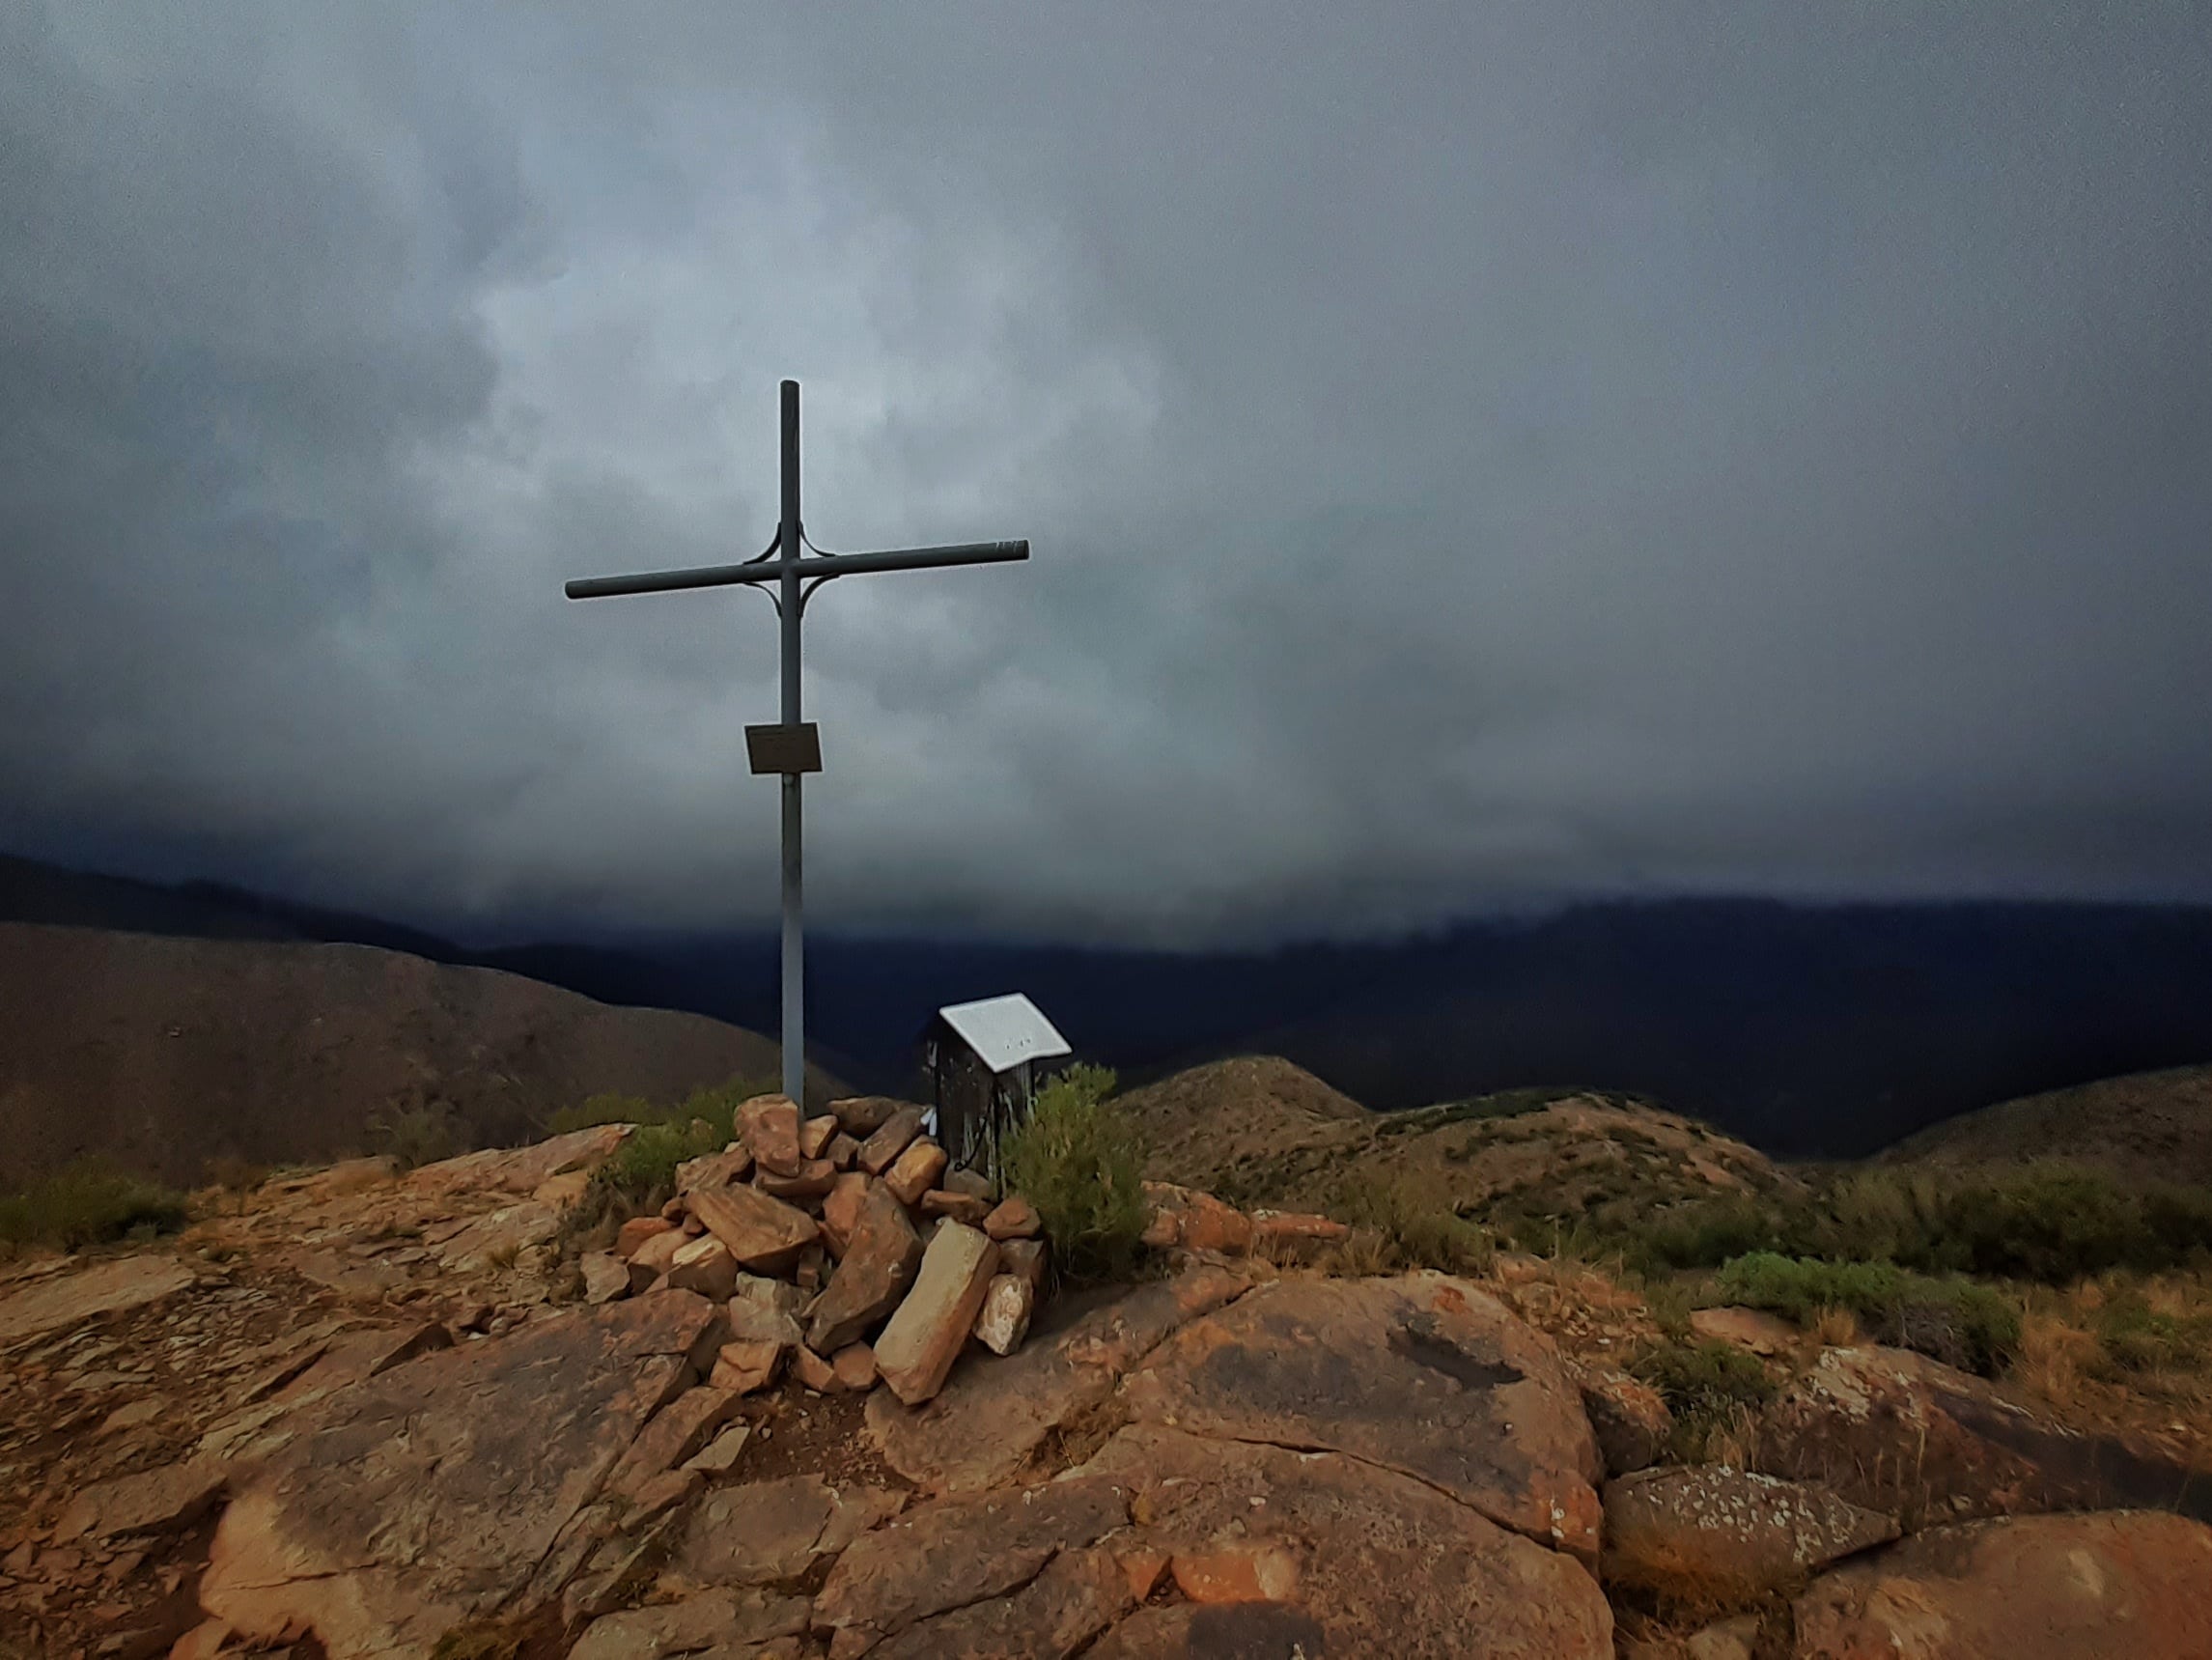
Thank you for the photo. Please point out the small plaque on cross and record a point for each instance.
(784, 748)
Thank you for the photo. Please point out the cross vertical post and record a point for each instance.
(791, 605)
(792, 747)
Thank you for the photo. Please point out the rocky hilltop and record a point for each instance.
(363, 1412)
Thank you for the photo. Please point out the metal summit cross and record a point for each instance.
(792, 748)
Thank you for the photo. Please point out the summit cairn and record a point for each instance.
(860, 1232)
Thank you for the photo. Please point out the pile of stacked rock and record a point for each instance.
(844, 1247)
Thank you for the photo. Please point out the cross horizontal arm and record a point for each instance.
(824, 566)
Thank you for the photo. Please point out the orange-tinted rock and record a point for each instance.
(635, 1232)
(1237, 1573)
(1080, 1593)
(1026, 1258)
(925, 1335)
(973, 1183)
(941, 1201)
(733, 1164)
(1015, 1219)
(815, 1135)
(765, 1533)
(813, 1371)
(855, 1366)
(957, 1552)
(706, 1266)
(882, 1255)
(743, 1368)
(1194, 1221)
(889, 1140)
(915, 1171)
(995, 1414)
(1294, 1235)
(675, 1432)
(1895, 1431)
(370, 1528)
(1629, 1418)
(769, 1127)
(1006, 1317)
(1716, 1538)
(152, 1501)
(1423, 1374)
(862, 1116)
(2026, 1588)
(764, 1234)
(1359, 1559)
(841, 1209)
(842, 1150)
(814, 1178)
(607, 1276)
(726, 1622)
(1143, 1569)
(104, 1288)
(654, 1255)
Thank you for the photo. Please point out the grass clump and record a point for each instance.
(1416, 1226)
(1951, 1319)
(88, 1203)
(1710, 1387)
(641, 1175)
(1081, 1162)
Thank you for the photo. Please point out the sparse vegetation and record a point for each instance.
(86, 1202)
(1710, 1387)
(1950, 1318)
(641, 1176)
(2046, 1224)
(1415, 1225)
(418, 1133)
(1081, 1162)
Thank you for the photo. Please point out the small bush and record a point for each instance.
(1708, 1386)
(1952, 1319)
(1079, 1161)
(88, 1203)
(604, 1109)
(416, 1135)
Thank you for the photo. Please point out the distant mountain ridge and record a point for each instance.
(1807, 1030)
(161, 1054)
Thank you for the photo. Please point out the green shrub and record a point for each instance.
(1951, 1319)
(604, 1109)
(88, 1203)
(1079, 1161)
(1705, 1385)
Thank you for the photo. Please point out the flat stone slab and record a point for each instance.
(1895, 1431)
(2137, 1584)
(994, 1414)
(430, 1493)
(766, 1532)
(1423, 1374)
(1714, 1537)
(1334, 1555)
(955, 1553)
(105, 1288)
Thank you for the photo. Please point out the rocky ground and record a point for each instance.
(357, 1413)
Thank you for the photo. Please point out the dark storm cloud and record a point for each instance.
(1473, 454)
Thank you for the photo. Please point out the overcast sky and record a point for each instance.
(1473, 454)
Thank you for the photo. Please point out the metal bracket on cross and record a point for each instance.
(792, 747)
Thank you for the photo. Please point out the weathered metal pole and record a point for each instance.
(794, 935)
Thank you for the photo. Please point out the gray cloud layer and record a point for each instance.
(1472, 452)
